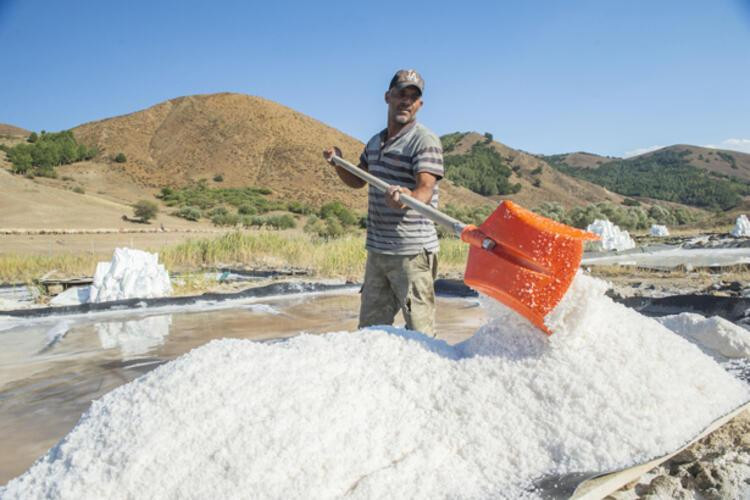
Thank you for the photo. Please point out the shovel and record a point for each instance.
(517, 257)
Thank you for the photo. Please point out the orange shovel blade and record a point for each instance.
(532, 263)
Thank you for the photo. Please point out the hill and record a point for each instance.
(579, 159)
(720, 161)
(13, 131)
(539, 182)
(690, 175)
(248, 141)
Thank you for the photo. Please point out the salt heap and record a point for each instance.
(131, 274)
(741, 226)
(612, 237)
(658, 230)
(715, 335)
(387, 413)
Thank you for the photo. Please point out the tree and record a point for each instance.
(145, 210)
(120, 158)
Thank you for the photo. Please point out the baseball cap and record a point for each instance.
(406, 78)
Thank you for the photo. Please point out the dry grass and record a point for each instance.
(21, 268)
(338, 258)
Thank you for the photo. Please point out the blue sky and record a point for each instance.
(606, 76)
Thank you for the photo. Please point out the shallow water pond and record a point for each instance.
(52, 368)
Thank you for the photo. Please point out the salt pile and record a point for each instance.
(131, 273)
(387, 413)
(714, 334)
(612, 237)
(658, 230)
(741, 226)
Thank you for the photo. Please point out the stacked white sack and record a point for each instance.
(741, 226)
(612, 237)
(658, 230)
(131, 274)
(386, 413)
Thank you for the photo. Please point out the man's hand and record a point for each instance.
(393, 196)
(328, 154)
(423, 191)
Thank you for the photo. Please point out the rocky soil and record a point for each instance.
(715, 468)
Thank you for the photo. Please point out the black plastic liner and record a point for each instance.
(734, 309)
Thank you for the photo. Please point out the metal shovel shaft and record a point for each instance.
(426, 210)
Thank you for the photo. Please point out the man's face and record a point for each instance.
(403, 104)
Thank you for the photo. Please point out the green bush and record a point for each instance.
(40, 155)
(145, 210)
(218, 212)
(297, 207)
(327, 228)
(338, 210)
(630, 202)
(247, 209)
(225, 219)
(79, 190)
(189, 213)
(284, 221)
(551, 210)
(218, 178)
(120, 158)
(450, 141)
(481, 170)
(201, 196)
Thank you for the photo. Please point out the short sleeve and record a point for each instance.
(428, 156)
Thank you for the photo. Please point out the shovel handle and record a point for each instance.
(424, 209)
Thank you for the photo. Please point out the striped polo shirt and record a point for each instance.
(397, 161)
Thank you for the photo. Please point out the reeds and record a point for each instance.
(334, 258)
(22, 268)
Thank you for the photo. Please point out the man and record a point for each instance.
(402, 245)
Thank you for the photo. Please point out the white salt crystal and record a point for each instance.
(716, 334)
(386, 413)
(741, 226)
(658, 230)
(612, 237)
(131, 274)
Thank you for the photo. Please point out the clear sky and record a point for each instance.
(549, 76)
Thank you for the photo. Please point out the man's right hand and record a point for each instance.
(328, 154)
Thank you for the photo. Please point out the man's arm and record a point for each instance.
(347, 177)
(423, 191)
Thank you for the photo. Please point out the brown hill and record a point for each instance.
(722, 161)
(583, 159)
(248, 140)
(554, 186)
(13, 131)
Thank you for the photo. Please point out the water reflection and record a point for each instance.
(134, 337)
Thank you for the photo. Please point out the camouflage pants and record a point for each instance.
(405, 282)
